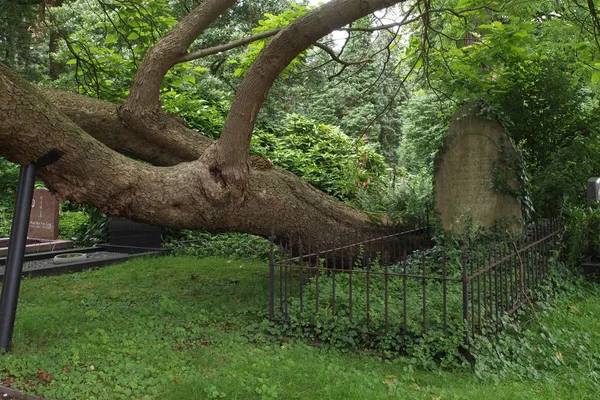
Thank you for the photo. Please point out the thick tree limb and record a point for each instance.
(142, 111)
(101, 120)
(230, 152)
(89, 172)
(164, 54)
(215, 190)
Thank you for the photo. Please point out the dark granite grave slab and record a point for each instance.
(124, 232)
(100, 255)
(37, 245)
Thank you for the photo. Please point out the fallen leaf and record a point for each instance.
(66, 368)
(44, 376)
(416, 385)
(559, 356)
(92, 367)
(8, 382)
(177, 379)
(574, 308)
(205, 342)
(194, 277)
(390, 381)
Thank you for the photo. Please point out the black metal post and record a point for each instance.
(272, 276)
(16, 252)
(465, 292)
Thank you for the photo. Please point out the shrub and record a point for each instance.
(323, 156)
(71, 223)
(582, 235)
(9, 180)
(233, 245)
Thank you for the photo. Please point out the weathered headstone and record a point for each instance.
(124, 232)
(593, 192)
(43, 222)
(464, 176)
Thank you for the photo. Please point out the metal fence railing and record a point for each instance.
(400, 283)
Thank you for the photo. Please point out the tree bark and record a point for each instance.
(276, 202)
(190, 182)
(102, 121)
(142, 111)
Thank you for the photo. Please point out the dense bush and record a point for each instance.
(236, 245)
(322, 155)
(71, 223)
(562, 179)
(206, 115)
(9, 180)
(409, 195)
(582, 235)
(94, 230)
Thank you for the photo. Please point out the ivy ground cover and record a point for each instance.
(189, 328)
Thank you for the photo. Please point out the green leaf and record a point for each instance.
(112, 38)
(595, 77)
(419, 63)
(133, 36)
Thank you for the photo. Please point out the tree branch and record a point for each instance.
(335, 57)
(227, 46)
(164, 54)
(142, 111)
(89, 172)
(101, 120)
(230, 155)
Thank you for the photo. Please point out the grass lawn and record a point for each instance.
(187, 328)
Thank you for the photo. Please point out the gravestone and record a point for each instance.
(464, 176)
(43, 222)
(124, 232)
(593, 192)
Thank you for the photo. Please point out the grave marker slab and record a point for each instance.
(124, 232)
(465, 173)
(593, 192)
(43, 222)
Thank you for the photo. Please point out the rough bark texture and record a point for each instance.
(90, 172)
(191, 182)
(230, 152)
(142, 111)
(101, 120)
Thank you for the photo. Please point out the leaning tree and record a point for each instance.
(137, 161)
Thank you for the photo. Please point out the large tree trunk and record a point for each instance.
(275, 201)
(183, 180)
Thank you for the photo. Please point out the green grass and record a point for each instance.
(187, 328)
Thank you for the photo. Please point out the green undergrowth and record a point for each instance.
(188, 328)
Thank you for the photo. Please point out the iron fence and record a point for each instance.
(500, 279)
(402, 284)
